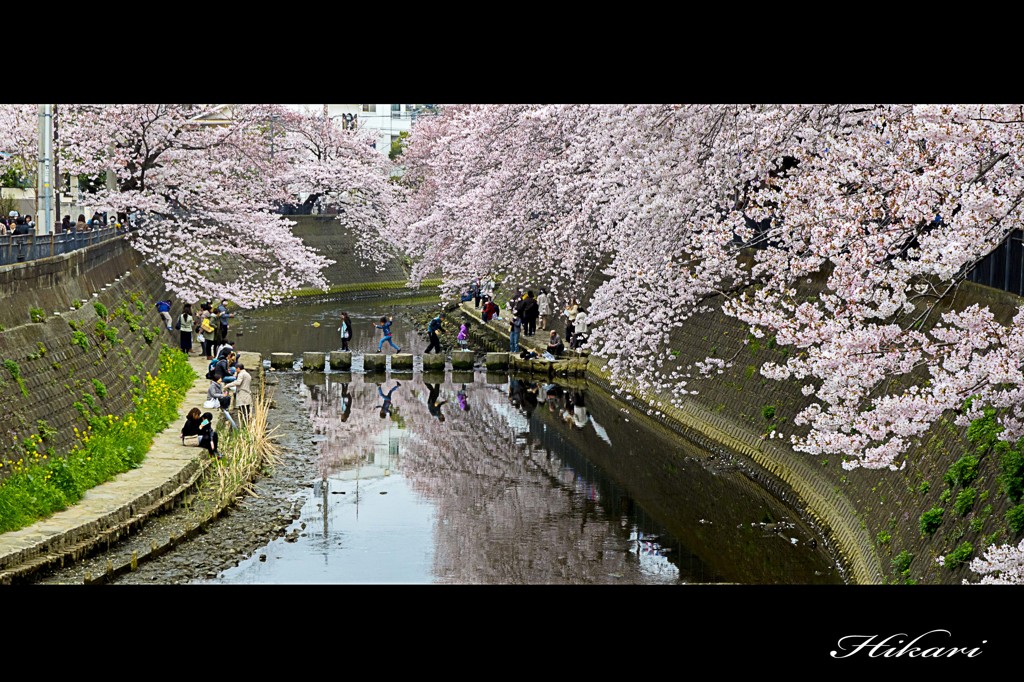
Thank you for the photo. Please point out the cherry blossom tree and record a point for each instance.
(838, 230)
(206, 182)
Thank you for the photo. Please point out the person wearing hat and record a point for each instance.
(243, 393)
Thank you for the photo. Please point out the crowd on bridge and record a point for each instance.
(15, 224)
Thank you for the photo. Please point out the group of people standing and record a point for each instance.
(209, 328)
(527, 310)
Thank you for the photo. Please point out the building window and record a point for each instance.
(396, 107)
(369, 108)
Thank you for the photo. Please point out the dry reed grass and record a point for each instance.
(250, 451)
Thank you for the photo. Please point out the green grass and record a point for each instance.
(40, 485)
(350, 288)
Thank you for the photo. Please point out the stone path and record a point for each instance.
(112, 509)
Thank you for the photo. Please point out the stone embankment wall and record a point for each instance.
(65, 375)
(871, 516)
(331, 240)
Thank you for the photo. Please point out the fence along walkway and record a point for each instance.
(26, 247)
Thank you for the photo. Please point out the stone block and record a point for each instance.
(497, 361)
(282, 360)
(497, 378)
(433, 362)
(401, 361)
(463, 359)
(375, 362)
(313, 361)
(341, 360)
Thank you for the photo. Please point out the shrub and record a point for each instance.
(883, 537)
(901, 562)
(958, 556)
(15, 371)
(36, 314)
(768, 411)
(1012, 477)
(101, 310)
(80, 339)
(962, 472)
(931, 520)
(965, 501)
(1015, 518)
(924, 487)
(100, 388)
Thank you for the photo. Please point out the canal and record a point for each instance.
(483, 478)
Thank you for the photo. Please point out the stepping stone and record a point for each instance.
(375, 362)
(433, 361)
(313, 361)
(463, 359)
(282, 360)
(341, 360)
(496, 361)
(402, 361)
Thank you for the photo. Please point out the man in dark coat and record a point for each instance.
(530, 311)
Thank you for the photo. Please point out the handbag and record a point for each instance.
(211, 403)
(206, 326)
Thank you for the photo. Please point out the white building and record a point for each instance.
(389, 120)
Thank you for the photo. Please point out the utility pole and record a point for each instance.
(44, 186)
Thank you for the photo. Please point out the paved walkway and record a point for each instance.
(114, 508)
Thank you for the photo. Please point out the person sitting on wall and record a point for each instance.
(191, 428)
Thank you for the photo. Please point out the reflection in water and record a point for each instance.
(472, 481)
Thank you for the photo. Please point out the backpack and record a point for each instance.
(209, 370)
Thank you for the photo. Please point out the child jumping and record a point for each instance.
(385, 329)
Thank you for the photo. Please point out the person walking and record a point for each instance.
(385, 330)
(243, 393)
(463, 336)
(543, 309)
(514, 329)
(432, 329)
(345, 329)
(185, 325)
(477, 292)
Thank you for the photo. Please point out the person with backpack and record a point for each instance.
(432, 329)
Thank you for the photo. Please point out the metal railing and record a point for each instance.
(28, 247)
(1003, 268)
